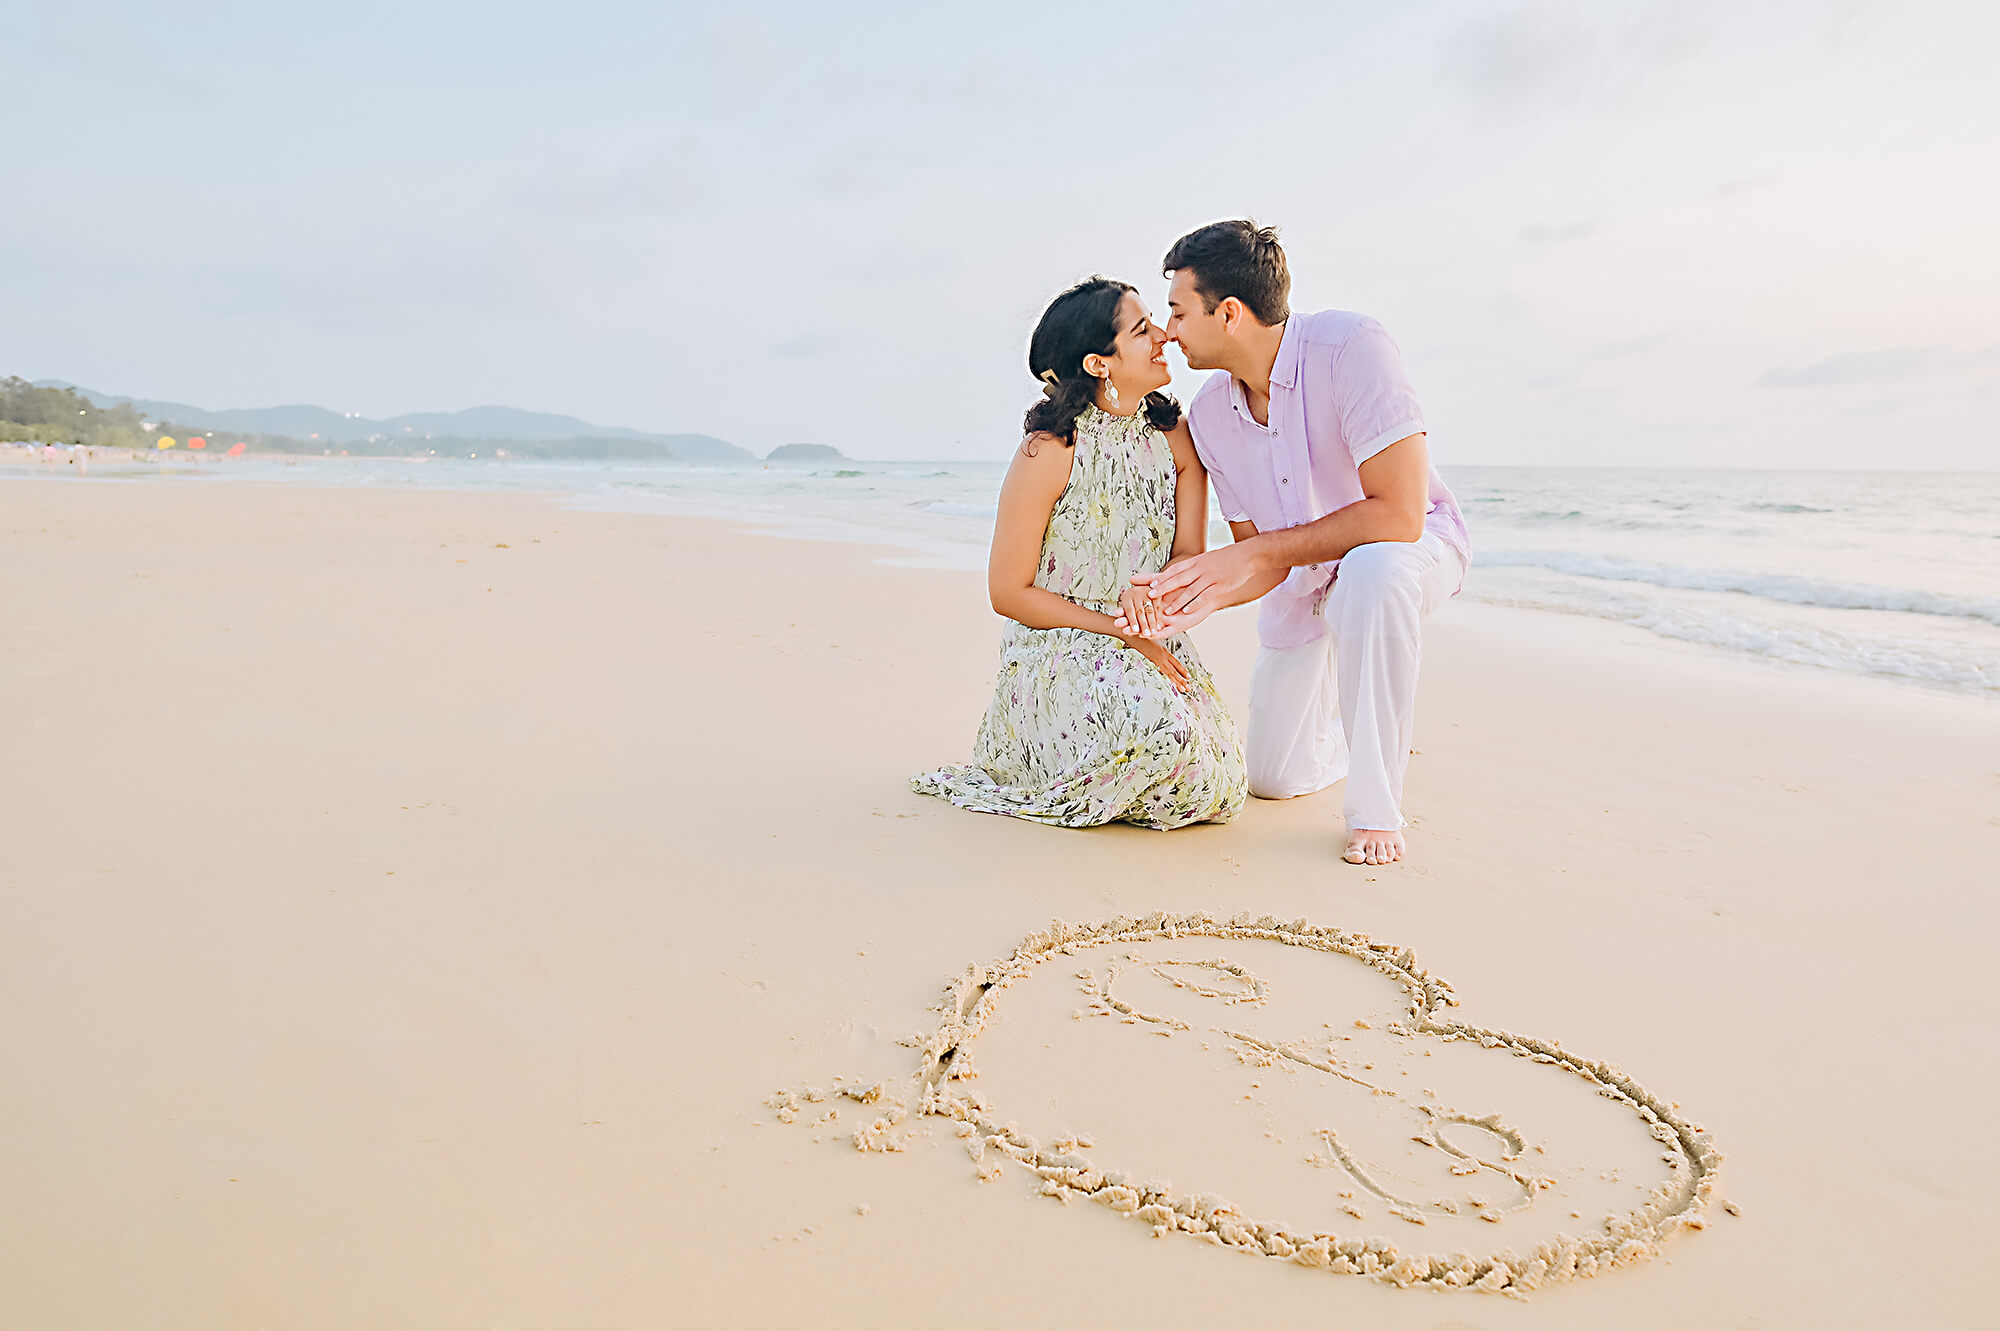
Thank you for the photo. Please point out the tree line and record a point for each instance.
(65, 416)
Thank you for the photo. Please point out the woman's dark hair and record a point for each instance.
(1239, 259)
(1082, 321)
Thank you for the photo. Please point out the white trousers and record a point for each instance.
(1345, 706)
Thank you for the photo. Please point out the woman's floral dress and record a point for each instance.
(1082, 729)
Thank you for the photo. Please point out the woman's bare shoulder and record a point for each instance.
(1181, 440)
(1041, 465)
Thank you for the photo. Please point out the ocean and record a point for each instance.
(1876, 573)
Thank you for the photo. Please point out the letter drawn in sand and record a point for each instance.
(1496, 1149)
(1349, 1101)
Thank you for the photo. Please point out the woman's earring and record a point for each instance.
(1110, 391)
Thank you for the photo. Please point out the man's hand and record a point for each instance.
(1198, 586)
(1223, 571)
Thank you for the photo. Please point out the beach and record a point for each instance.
(411, 902)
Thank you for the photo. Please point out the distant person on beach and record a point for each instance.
(1091, 723)
(1318, 451)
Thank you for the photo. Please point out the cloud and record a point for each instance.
(671, 177)
(1886, 406)
(96, 47)
(805, 344)
(1630, 346)
(1545, 57)
(1868, 367)
(1514, 62)
(1551, 234)
(858, 169)
(1851, 367)
(1729, 189)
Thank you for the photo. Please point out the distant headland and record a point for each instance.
(50, 410)
(805, 453)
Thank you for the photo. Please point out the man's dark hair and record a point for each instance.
(1239, 259)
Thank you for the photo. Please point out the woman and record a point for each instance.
(1088, 725)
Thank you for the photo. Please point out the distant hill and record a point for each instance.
(805, 453)
(666, 447)
(323, 428)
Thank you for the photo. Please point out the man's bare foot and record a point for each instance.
(1367, 846)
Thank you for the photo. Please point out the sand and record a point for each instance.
(410, 904)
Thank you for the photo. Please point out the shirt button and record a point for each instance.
(1284, 480)
(1313, 567)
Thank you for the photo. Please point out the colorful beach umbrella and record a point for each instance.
(166, 441)
(236, 450)
(196, 441)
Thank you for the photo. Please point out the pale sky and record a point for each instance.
(1630, 234)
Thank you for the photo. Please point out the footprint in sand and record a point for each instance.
(1311, 1076)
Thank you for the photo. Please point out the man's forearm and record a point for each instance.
(1331, 537)
(1260, 582)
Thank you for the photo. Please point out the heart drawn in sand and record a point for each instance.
(1312, 1074)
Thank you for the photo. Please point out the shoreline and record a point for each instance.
(915, 553)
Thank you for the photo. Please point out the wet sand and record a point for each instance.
(411, 903)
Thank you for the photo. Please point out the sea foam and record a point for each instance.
(1789, 588)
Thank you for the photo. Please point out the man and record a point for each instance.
(1316, 447)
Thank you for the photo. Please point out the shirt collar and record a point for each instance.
(1285, 370)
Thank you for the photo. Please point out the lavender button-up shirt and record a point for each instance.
(1338, 397)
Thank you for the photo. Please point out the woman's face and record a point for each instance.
(1138, 362)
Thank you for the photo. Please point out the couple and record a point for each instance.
(1314, 441)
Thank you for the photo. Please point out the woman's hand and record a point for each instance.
(1139, 615)
(1168, 664)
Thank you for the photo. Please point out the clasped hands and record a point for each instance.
(1181, 595)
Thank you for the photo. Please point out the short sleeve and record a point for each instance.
(1225, 498)
(1371, 393)
(1204, 448)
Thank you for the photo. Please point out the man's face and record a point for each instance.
(1203, 336)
